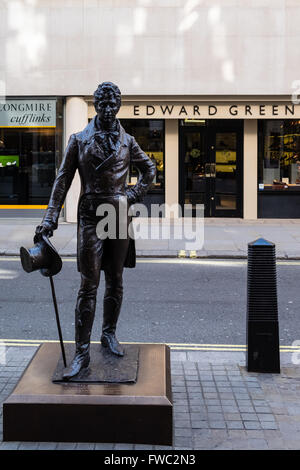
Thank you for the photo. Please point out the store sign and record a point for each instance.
(202, 110)
(27, 113)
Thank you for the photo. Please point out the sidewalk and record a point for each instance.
(217, 403)
(222, 238)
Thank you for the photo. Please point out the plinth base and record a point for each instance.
(103, 366)
(138, 413)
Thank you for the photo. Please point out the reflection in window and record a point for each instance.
(27, 165)
(226, 183)
(193, 122)
(28, 158)
(279, 155)
(194, 168)
(149, 134)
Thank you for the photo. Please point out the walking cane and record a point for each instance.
(57, 321)
(44, 257)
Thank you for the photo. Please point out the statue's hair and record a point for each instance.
(107, 87)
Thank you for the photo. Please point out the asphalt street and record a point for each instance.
(165, 300)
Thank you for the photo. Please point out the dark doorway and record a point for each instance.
(210, 167)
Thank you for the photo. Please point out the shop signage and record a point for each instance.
(169, 110)
(27, 113)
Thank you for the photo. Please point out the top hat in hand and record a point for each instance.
(42, 256)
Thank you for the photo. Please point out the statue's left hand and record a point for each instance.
(44, 229)
(131, 197)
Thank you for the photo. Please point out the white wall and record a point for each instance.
(250, 169)
(66, 47)
(76, 120)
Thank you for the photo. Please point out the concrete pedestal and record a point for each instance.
(141, 412)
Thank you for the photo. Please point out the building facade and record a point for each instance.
(210, 91)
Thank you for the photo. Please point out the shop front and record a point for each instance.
(238, 157)
(279, 168)
(30, 152)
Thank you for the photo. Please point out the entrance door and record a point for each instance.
(211, 167)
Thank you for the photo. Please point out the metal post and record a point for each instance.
(262, 308)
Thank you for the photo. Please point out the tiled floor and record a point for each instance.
(217, 404)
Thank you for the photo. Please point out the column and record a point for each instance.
(76, 120)
(171, 162)
(250, 169)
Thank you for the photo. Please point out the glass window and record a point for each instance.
(226, 178)
(279, 155)
(193, 174)
(150, 135)
(28, 159)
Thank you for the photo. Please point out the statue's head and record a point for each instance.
(107, 101)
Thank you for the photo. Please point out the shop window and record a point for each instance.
(29, 157)
(279, 155)
(150, 135)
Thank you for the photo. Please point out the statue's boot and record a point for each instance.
(81, 359)
(111, 311)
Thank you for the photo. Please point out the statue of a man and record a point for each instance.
(102, 153)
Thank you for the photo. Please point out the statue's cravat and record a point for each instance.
(108, 139)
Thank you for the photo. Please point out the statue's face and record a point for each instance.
(107, 108)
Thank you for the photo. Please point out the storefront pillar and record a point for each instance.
(76, 119)
(250, 169)
(171, 165)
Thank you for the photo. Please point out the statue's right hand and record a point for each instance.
(44, 229)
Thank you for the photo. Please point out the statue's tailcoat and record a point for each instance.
(100, 175)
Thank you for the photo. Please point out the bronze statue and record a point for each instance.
(102, 153)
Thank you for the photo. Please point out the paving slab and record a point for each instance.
(204, 416)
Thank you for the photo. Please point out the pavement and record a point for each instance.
(217, 404)
(218, 237)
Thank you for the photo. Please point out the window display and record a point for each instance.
(279, 155)
(29, 155)
(150, 135)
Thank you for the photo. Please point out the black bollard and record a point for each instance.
(262, 308)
